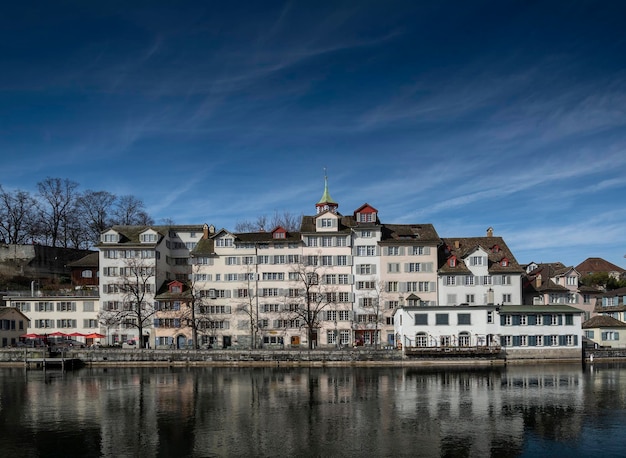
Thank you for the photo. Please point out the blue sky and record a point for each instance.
(463, 114)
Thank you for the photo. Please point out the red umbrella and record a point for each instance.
(94, 335)
(77, 334)
(30, 336)
(57, 334)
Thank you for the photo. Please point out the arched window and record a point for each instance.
(464, 339)
(421, 339)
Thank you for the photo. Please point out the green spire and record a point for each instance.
(326, 199)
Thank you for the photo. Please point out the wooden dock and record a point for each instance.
(53, 363)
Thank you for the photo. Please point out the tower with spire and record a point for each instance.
(326, 202)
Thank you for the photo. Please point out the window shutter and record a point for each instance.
(560, 320)
(426, 250)
(349, 260)
(516, 341)
(227, 293)
(532, 320)
(406, 267)
(402, 251)
(502, 320)
(575, 340)
(373, 268)
(433, 286)
(532, 341)
(516, 320)
(156, 323)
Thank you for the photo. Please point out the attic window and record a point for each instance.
(504, 262)
(365, 217)
(110, 238)
(279, 235)
(495, 249)
(148, 238)
(175, 288)
(452, 261)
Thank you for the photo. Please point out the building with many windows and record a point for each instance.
(134, 263)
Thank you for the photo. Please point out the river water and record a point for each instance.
(544, 410)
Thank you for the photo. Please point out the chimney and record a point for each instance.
(538, 281)
(205, 232)
(490, 231)
(457, 244)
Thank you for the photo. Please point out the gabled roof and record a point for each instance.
(461, 247)
(365, 208)
(593, 265)
(614, 292)
(129, 235)
(603, 321)
(344, 223)
(8, 311)
(91, 260)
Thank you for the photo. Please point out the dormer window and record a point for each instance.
(452, 261)
(279, 235)
(148, 238)
(504, 262)
(111, 238)
(224, 242)
(326, 222)
(495, 249)
(175, 287)
(366, 217)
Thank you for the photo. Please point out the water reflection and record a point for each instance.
(518, 410)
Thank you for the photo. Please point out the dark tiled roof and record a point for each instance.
(409, 233)
(614, 292)
(467, 245)
(263, 236)
(91, 260)
(593, 265)
(204, 247)
(130, 234)
(603, 321)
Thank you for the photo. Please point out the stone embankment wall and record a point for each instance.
(291, 357)
(300, 357)
(605, 354)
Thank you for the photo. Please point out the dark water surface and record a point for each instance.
(541, 410)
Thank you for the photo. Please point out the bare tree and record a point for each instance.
(373, 306)
(130, 211)
(312, 297)
(248, 302)
(136, 283)
(95, 208)
(16, 216)
(286, 220)
(57, 200)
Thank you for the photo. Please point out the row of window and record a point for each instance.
(47, 306)
(548, 319)
(131, 254)
(539, 340)
(65, 323)
(471, 280)
(443, 319)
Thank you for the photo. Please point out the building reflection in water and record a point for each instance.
(310, 411)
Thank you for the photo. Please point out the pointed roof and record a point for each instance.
(326, 199)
